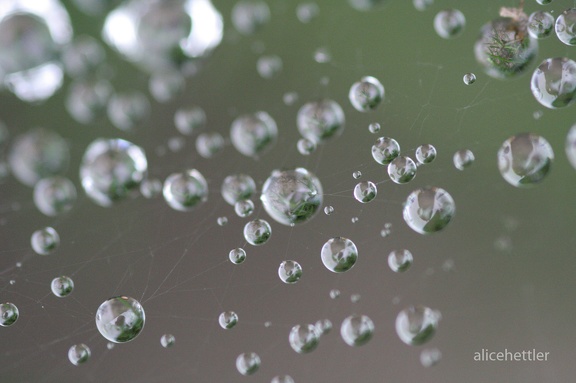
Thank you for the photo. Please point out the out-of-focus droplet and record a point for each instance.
(189, 120)
(244, 208)
(430, 357)
(357, 330)
(318, 121)
(367, 94)
(400, 260)
(186, 190)
(82, 56)
(126, 110)
(449, 23)
(304, 338)
(87, 99)
(306, 12)
(44, 241)
(416, 325)
(463, 159)
(306, 146)
(167, 340)
(248, 363)
(237, 187)
(209, 144)
(540, 24)
(54, 195)
(79, 354)
(253, 134)
(425, 154)
(269, 66)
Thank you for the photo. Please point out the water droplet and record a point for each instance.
(425, 154)
(18, 264)
(237, 187)
(244, 208)
(112, 169)
(290, 98)
(165, 85)
(449, 23)
(54, 195)
(429, 210)
(87, 99)
(365, 191)
(366, 5)
(319, 121)
(328, 210)
(386, 230)
(323, 326)
(306, 12)
(151, 188)
(322, 55)
(566, 26)
(357, 330)
(237, 256)
(8, 314)
(185, 191)
(248, 16)
(45, 241)
(222, 221)
(282, 379)
(571, 146)
(355, 298)
(463, 159)
(120, 319)
(354, 219)
(62, 286)
(540, 24)
(469, 78)
(78, 354)
(334, 293)
(290, 272)
(110, 345)
(228, 319)
(357, 174)
(305, 146)
(416, 325)
(553, 83)
(402, 169)
(374, 127)
(430, 357)
(253, 134)
(525, 159)
(422, 5)
(82, 56)
(167, 340)
(267, 324)
(304, 338)
(543, 2)
(248, 363)
(126, 110)
(269, 66)
(366, 94)
(291, 196)
(339, 254)
(189, 120)
(12, 282)
(400, 260)
(37, 154)
(537, 114)
(504, 48)
(257, 232)
(385, 150)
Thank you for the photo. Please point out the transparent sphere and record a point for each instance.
(188, 120)
(365, 191)
(290, 272)
(429, 210)
(416, 325)
(237, 187)
(112, 169)
(402, 169)
(540, 24)
(167, 340)
(430, 357)
(248, 363)
(37, 154)
(566, 26)
(269, 66)
(8, 314)
(400, 260)
(128, 109)
(366, 5)
(449, 23)
(237, 256)
(79, 354)
(54, 195)
(366, 94)
(329, 210)
(385, 150)
(357, 330)
(339, 254)
(463, 159)
(469, 78)
(244, 208)
(554, 82)
(222, 221)
(282, 379)
(422, 5)
(525, 159)
(425, 154)
(318, 121)
(357, 174)
(292, 196)
(257, 232)
(249, 16)
(253, 134)
(45, 241)
(306, 12)
(33, 34)
(228, 319)
(543, 2)
(151, 188)
(323, 326)
(374, 127)
(120, 319)
(185, 191)
(209, 144)
(305, 146)
(166, 85)
(163, 35)
(570, 146)
(304, 338)
(82, 56)
(87, 99)
(504, 49)
(62, 286)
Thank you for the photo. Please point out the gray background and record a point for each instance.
(517, 297)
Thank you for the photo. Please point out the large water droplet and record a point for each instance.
(8, 314)
(248, 16)
(402, 170)
(540, 24)
(425, 154)
(554, 82)
(429, 210)
(566, 26)
(318, 121)
(416, 325)
(449, 23)
(248, 363)
(365, 191)
(339, 254)
(237, 187)
(253, 134)
(257, 232)
(400, 260)
(304, 338)
(62, 286)
(385, 150)
(79, 354)
(357, 330)
(120, 319)
(463, 159)
(228, 319)
(184, 191)
(290, 272)
(54, 195)
(45, 241)
(366, 94)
